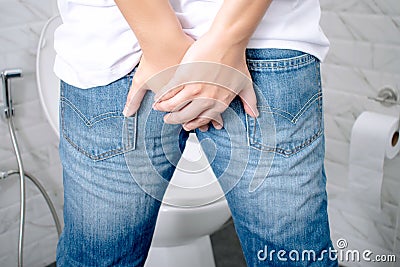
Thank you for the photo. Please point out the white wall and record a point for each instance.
(20, 26)
(365, 55)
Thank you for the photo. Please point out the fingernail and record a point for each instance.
(166, 118)
(126, 112)
(155, 106)
(218, 127)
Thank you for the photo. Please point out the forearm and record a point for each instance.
(154, 24)
(237, 20)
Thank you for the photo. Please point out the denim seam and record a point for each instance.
(93, 121)
(281, 64)
(127, 129)
(284, 152)
(293, 118)
(102, 156)
(247, 127)
(131, 125)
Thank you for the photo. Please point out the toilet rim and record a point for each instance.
(39, 84)
(216, 202)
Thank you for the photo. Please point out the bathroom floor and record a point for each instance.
(226, 247)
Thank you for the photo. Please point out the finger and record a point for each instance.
(249, 101)
(134, 99)
(204, 119)
(168, 94)
(217, 125)
(190, 111)
(200, 123)
(185, 95)
(204, 128)
(173, 77)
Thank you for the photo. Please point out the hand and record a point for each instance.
(150, 65)
(220, 72)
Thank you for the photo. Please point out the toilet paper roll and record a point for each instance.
(374, 137)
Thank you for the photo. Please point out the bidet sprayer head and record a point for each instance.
(7, 99)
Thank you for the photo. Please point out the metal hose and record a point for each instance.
(46, 197)
(22, 175)
(22, 190)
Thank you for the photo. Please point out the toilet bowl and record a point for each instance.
(196, 205)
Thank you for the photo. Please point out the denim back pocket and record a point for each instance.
(290, 89)
(91, 120)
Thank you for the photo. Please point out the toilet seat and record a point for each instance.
(46, 80)
(197, 187)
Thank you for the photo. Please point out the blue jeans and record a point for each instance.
(111, 201)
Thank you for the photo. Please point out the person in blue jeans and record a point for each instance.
(120, 137)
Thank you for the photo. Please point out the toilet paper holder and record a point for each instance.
(387, 96)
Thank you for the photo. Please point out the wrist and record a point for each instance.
(165, 48)
(228, 38)
(226, 44)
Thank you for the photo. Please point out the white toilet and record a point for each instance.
(196, 206)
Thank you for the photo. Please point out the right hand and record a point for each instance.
(226, 75)
(149, 66)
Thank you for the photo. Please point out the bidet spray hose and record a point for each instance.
(22, 190)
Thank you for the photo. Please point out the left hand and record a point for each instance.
(197, 104)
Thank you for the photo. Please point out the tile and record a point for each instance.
(22, 59)
(347, 79)
(39, 253)
(28, 114)
(354, 243)
(350, 53)
(337, 151)
(24, 11)
(334, 26)
(9, 194)
(388, 7)
(392, 167)
(22, 37)
(338, 128)
(353, 6)
(344, 105)
(390, 190)
(337, 174)
(351, 224)
(372, 28)
(51, 179)
(36, 136)
(386, 58)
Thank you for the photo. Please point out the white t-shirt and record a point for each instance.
(95, 45)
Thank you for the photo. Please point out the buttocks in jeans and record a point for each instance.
(109, 165)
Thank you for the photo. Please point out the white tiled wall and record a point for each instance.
(365, 56)
(20, 25)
